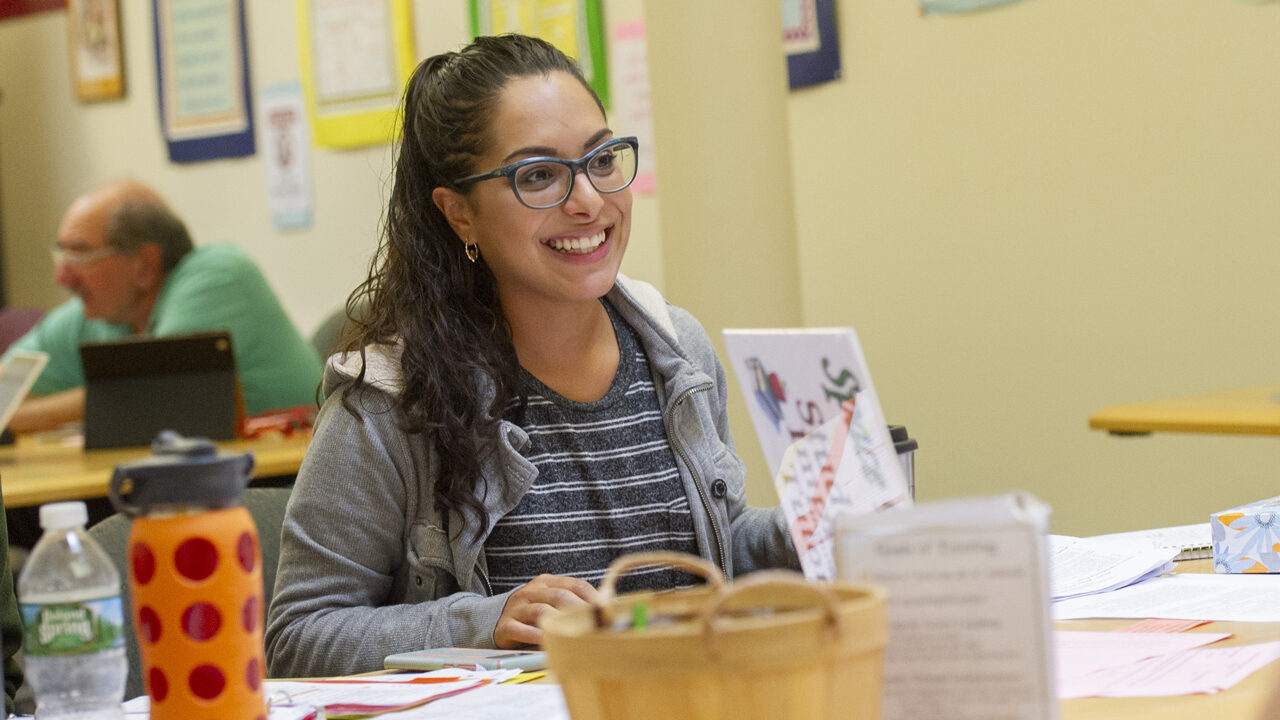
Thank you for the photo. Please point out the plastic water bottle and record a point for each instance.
(73, 643)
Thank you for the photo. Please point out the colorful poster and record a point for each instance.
(824, 435)
(632, 112)
(203, 69)
(357, 56)
(97, 59)
(287, 152)
(574, 26)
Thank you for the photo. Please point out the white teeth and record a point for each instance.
(578, 246)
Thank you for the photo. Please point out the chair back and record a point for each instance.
(326, 338)
(265, 504)
(15, 322)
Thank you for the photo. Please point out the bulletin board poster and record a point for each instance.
(357, 56)
(202, 66)
(574, 26)
(810, 42)
(97, 55)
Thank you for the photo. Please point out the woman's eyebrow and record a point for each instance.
(546, 151)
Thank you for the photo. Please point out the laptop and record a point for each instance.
(136, 387)
(16, 378)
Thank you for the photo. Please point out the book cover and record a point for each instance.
(824, 436)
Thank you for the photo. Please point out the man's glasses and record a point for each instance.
(81, 256)
(541, 183)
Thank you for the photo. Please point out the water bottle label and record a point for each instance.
(62, 629)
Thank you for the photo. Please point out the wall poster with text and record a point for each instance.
(202, 61)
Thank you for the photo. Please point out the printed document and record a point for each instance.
(1080, 566)
(1189, 596)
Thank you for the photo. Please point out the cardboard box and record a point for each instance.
(1246, 539)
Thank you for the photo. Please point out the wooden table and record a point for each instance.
(1245, 700)
(1255, 411)
(34, 471)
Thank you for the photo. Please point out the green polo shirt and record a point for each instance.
(214, 287)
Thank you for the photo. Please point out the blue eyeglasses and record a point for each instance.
(541, 183)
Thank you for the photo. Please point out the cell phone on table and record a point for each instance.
(467, 658)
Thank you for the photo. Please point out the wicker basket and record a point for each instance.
(770, 647)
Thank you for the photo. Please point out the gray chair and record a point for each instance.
(326, 337)
(266, 505)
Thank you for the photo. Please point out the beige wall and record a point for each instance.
(1028, 213)
(1034, 212)
(727, 221)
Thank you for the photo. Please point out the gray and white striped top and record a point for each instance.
(607, 484)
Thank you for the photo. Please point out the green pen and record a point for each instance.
(639, 617)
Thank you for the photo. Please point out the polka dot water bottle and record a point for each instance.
(196, 580)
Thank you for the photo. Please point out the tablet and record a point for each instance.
(16, 378)
(467, 658)
(137, 386)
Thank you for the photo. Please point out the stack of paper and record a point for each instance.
(1084, 566)
(1109, 664)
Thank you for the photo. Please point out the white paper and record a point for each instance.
(286, 149)
(492, 702)
(1180, 537)
(1189, 596)
(352, 49)
(968, 607)
(479, 696)
(1079, 566)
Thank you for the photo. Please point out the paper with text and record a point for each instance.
(968, 606)
(1079, 566)
(819, 421)
(1189, 596)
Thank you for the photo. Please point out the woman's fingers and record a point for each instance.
(518, 624)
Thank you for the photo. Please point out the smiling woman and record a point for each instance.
(510, 414)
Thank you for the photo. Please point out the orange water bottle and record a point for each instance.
(195, 574)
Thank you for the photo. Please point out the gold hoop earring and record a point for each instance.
(472, 250)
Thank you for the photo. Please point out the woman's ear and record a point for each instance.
(456, 208)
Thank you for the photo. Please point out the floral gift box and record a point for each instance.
(1246, 539)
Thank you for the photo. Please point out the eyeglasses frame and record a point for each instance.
(575, 166)
(82, 258)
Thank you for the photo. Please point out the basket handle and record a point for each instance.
(681, 561)
(775, 579)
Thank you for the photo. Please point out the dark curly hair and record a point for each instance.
(422, 292)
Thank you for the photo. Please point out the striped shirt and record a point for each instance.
(607, 484)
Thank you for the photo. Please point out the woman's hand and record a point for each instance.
(518, 624)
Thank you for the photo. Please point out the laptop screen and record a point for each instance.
(16, 378)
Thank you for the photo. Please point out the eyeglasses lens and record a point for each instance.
(547, 184)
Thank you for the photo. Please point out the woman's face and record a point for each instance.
(532, 253)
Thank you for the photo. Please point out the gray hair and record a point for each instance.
(137, 222)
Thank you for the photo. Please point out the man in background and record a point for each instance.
(130, 263)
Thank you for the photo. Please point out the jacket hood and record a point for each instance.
(382, 362)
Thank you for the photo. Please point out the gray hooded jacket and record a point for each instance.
(369, 566)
